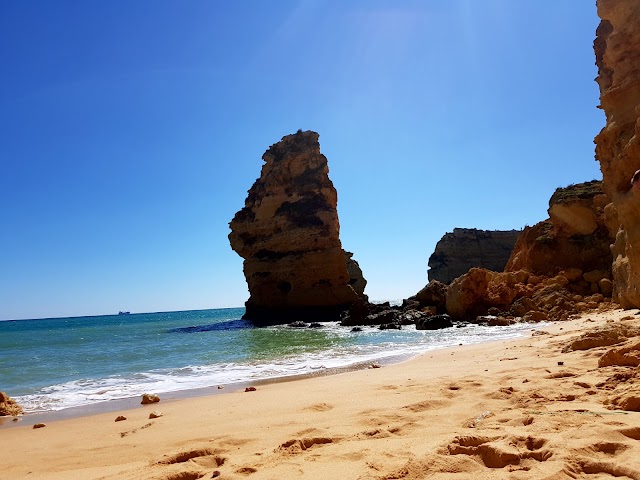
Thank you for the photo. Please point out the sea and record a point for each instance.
(54, 364)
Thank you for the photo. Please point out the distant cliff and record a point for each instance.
(288, 235)
(617, 51)
(574, 236)
(465, 248)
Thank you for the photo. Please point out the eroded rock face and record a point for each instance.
(8, 406)
(574, 236)
(617, 50)
(356, 278)
(465, 248)
(288, 234)
(435, 294)
(473, 293)
(481, 292)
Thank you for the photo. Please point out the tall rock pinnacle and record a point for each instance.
(617, 49)
(288, 235)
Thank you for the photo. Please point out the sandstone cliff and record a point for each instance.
(617, 51)
(574, 236)
(465, 248)
(288, 234)
(511, 296)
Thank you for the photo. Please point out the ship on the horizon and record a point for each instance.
(124, 313)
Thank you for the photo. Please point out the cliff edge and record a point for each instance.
(617, 51)
(574, 236)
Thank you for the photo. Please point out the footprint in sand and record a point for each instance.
(389, 431)
(129, 432)
(561, 374)
(499, 452)
(202, 460)
(190, 475)
(373, 434)
(389, 387)
(204, 456)
(246, 470)
(298, 445)
(379, 416)
(609, 448)
(307, 431)
(426, 405)
(319, 407)
(597, 467)
(632, 432)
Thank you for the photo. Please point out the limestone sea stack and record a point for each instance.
(617, 50)
(288, 235)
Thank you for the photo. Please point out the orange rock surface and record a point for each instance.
(8, 406)
(288, 235)
(617, 50)
(575, 235)
(521, 294)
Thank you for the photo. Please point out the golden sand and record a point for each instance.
(518, 409)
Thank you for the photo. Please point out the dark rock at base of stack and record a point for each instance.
(390, 326)
(433, 295)
(265, 316)
(365, 313)
(435, 322)
(356, 315)
(384, 317)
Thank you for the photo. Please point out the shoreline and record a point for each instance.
(132, 403)
(508, 409)
(119, 404)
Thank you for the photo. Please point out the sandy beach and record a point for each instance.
(526, 408)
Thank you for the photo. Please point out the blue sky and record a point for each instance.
(131, 132)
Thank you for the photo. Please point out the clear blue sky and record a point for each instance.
(131, 131)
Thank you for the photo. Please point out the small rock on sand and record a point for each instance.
(120, 418)
(40, 425)
(8, 406)
(250, 389)
(155, 414)
(374, 365)
(220, 387)
(149, 398)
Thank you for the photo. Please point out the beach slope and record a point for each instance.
(538, 407)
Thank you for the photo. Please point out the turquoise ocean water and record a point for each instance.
(54, 364)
